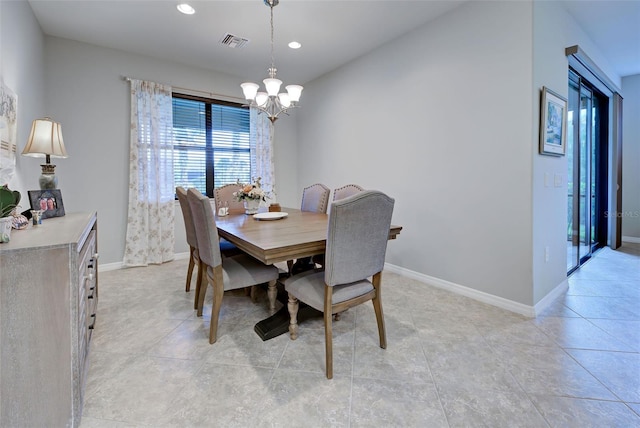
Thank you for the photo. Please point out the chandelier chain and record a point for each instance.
(273, 61)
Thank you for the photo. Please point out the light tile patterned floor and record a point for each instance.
(450, 361)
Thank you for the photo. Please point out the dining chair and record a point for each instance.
(190, 230)
(224, 194)
(315, 198)
(222, 273)
(346, 191)
(357, 236)
(339, 193)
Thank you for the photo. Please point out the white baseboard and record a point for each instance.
(631, 239)
(500, 302)
(547, 300)
(120, 265)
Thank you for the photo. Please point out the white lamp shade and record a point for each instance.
(272, 85)
(250, 90)
(294, 92)
(262, 98)
(284, 99)
(45, 139)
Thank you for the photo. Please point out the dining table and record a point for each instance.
(274, 237)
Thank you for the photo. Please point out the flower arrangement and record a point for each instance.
(250, 191)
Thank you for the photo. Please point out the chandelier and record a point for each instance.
(272, 102)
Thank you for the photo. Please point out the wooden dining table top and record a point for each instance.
(299, 234)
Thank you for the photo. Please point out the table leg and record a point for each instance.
(278, 323)
(293, 314)
(272, 292)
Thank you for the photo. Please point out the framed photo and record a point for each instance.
(49, 201)
(553, 123)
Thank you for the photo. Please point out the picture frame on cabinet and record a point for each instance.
(553, 123)
(49, 201)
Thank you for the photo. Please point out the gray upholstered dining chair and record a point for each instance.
(346, 191)
(190, 230)
(224, 194)
(228, 273)
(227, 249)
(315, 198)
(339, 193)
(357, 236)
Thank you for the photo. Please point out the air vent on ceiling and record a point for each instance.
(233, 41)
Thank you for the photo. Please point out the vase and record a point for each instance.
(5, 228)
(251, 206)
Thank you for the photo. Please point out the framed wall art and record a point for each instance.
(48, 201)
(553, 123)
(8, 129)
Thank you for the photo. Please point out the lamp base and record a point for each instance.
(48, 181)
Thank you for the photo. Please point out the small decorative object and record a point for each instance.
(20, 221)
(274, 208)
(48, 201)
(45, 140)
(5, 229)
(8, 202)
(224, 210)
(251, 195)
(36, 217)
(553, 123)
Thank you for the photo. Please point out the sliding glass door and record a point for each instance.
(587, 166)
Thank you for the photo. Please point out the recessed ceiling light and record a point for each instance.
(295, 45)
(186, 9)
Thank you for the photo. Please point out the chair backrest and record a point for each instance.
(224, 194)
(205, 226)
(315, 198)
(346, 191)
(357, 237)
(188, 218)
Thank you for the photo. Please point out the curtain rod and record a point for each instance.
(178, 88)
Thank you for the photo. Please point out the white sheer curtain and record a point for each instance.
(150, 237)
(262, 152)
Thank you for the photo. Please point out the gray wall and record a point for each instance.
(23, 71)
(631, 159)
(445, 119)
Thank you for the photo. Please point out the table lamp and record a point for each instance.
(45, 140)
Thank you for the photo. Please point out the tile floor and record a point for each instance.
(450, 361)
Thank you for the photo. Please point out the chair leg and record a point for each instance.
(292, 305)
(377, 306)
(289, 266)
(201, 288)
(253, 292)
(218, 294)
(187, 287)
(328, 331)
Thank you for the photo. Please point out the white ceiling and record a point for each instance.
(332, 32)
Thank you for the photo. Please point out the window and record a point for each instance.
(211, 143)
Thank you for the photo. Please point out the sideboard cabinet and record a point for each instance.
(48, 302)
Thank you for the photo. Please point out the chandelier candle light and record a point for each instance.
(271, 102)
